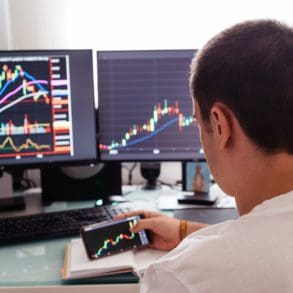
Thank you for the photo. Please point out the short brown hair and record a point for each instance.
(249, 68)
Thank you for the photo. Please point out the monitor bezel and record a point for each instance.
(199, 156)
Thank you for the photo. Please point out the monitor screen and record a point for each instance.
(47, 111)
(145, 109)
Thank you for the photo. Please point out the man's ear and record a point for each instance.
(220, 119)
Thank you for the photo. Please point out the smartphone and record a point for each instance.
(108, 238)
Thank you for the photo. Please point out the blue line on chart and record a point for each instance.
(160, 129)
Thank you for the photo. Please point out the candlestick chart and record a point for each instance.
(34, 106)
(152, 126)
(116, 240)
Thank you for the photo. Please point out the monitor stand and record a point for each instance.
(82, 182)
(9, 201)
(150, 171)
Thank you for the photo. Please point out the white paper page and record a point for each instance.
(167, 202)
(79, 260)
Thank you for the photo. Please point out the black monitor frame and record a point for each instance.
(149, 66)
(76, 73)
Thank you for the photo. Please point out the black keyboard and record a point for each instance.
(54, 224)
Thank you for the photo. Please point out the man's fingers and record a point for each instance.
(142, 225)
(146, 214)
(130, 214)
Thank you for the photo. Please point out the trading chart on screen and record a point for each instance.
(35, 110)
(145, 109)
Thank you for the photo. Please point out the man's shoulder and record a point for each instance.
(250, 237)
(255, 248)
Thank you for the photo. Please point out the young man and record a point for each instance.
(242, 86)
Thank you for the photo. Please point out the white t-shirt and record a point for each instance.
(251, 254)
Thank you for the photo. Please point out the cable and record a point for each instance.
(130, 170)
(130, 174)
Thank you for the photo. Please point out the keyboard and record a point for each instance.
(54, 224)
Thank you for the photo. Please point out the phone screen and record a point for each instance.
(112, 237)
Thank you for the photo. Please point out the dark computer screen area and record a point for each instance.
(47, 111)
(145, 109)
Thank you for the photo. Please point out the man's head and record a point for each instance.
(249, 69)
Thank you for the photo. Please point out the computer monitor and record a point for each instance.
(145, 109)
(47, 108)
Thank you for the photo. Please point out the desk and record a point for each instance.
(35, 266)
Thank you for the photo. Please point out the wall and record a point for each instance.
(131, 24)
(5, 26)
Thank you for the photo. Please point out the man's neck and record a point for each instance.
(269, 178)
